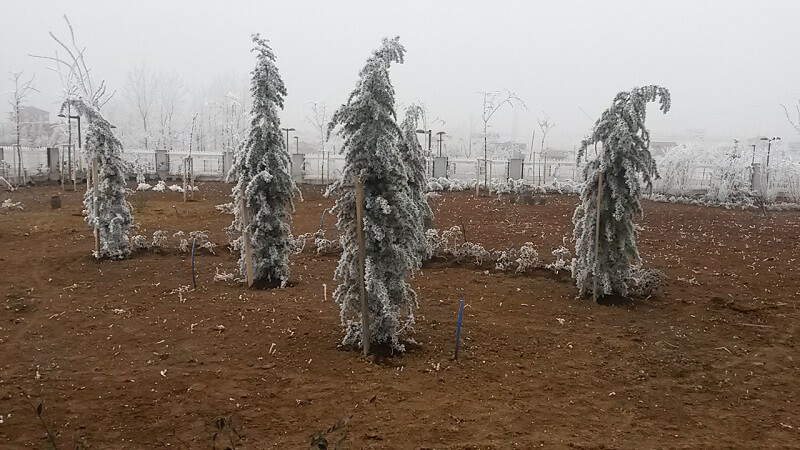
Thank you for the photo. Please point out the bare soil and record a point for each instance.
(126, 354)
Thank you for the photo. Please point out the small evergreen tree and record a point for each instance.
(625, 163)
(412, 155)
(261, 169)
(369, 128)
(113, 215)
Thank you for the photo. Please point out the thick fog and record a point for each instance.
(729, 64)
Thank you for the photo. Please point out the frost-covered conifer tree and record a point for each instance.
(369, 128)
(111, 212)
(112, 216)
(261, 169)
(626, 164)
(412, 155)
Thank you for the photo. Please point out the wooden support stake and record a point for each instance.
(248, 258)
(489, 178)
(89, 176)
(362, 257)
(191, 178)
(545, 167)
(597, 232)
(185, 170)
(95, 179)
(478, 178)
(74, 170)
(61, 167)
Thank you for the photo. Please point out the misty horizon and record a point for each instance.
(726, 63)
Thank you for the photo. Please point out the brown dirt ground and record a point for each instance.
(711, 361)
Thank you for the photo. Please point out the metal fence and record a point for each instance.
(318, 168)
(43, 163)
(38, 163)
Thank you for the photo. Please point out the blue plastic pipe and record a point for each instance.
(194, 247)
(322, 221)
(458, 327)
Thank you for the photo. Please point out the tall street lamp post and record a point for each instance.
(287, 130)
(440, 134)
(69, 118)
(427, 132)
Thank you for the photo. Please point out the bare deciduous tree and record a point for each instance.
(106, 206)
(169, 95)
(74, 73)
(22, 89)
(319, 120)
(795, 124)
(140, 94)
(545, 125)
(492, 102)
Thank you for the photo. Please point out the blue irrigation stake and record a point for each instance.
(458, 327)
(322, 221)
(194, 247)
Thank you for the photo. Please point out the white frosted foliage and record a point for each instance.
(261, 171)
(113, 216)
(368, 125)
(414, 161)
(626, 164)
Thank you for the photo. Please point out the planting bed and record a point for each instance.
(125, 354)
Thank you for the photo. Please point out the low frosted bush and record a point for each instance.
(160, 238)
(563, 260)
(528, 258)
(225, 208)
(139, 242)
(644, 281)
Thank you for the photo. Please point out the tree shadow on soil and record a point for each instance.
(383, 354)
(271, 284)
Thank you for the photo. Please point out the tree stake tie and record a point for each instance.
(194, 247)
(458, 325)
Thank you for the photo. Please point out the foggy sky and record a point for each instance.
(729, 64)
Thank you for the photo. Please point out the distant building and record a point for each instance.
(35, 128)
(659, 148)
(33, 115)
(557, 155)
(511, 147)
